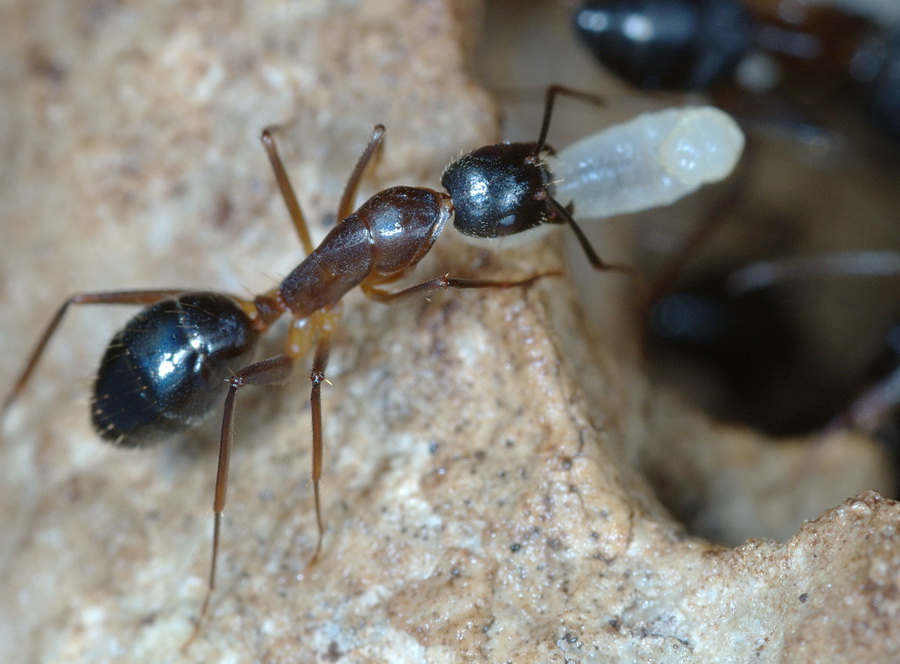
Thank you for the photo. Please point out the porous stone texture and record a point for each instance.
(490, 467)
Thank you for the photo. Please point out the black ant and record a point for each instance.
(745, 336)
(698, 44)
(187, 351)
(668, 44)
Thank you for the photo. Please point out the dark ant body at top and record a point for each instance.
(698, 44)
(187, 351)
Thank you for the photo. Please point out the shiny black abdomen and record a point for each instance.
(166, 369)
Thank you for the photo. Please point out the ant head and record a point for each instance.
(500, 190)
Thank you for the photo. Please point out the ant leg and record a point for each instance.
(596, 262)
(317, 377)
(287, 191)
(346, 205)
(699, 236)
(272, 371)
(871, 408)
(144, 297)
(445, 282)
(317, 328)
(550, 99)
(769, 272)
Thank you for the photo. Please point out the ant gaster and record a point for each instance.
(186, 351)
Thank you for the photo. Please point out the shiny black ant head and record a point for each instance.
(669, 44)
(500, 190)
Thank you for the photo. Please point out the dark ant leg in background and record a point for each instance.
(700, 235)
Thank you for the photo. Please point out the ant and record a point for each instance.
(188, 351)
(871, 406)
(697, 44)
(668, 44)
(744, 334)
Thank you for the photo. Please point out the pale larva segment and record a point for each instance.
(650, 161)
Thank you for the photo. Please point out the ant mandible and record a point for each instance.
(165, 371)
